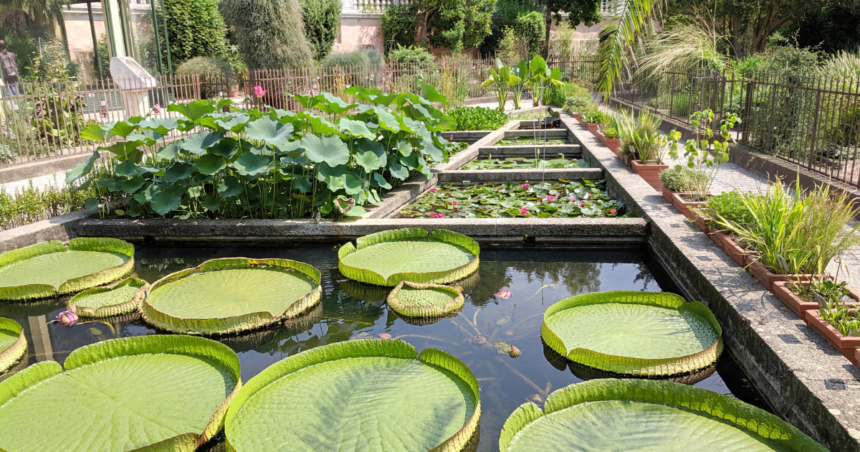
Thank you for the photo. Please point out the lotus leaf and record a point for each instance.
(167, 393)
(121, 298)
(361, 395)
(13, 344)
(623, 415)
(223, 296)
(410, 254)
(634, 333)
(424, 300)
(52, 268)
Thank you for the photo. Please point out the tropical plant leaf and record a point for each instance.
(50, 268)
(211, 203)
(647, 415)
(13, 343)
(223, 296)
(178, 171)
(433, 396)
(166, 393)
(229, 186)
(633, 333)
(120, 298)
(424, 300)
(95, 132)
(436, 258)
(329, 149)
(134, 184)
(356, 128)
(429, 92)
(160, 125)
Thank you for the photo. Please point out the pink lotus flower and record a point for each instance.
(524, 211)
(259, 91)
(504, 294)
(66, 318)
(433, 190)
(550, 198)
(385, 336)
(582, 204)
(525, 185)
(156, 109)
(612, 211)
(433, 214)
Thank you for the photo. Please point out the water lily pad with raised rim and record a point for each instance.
(623, 415)
(53, 268)
(410, 254)
(634, 333)
(424, 300)
(13, 344)
(224, 296)
(361, 395)
(121, 298)
(161, 392)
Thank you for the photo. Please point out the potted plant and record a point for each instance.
(643, 145)
(836, 318)
(611, 139)
(592, 119)
(678, 179)
(803, 296)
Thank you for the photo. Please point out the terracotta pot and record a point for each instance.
(576, 116)
(845, 344)
(601, 137)
(669, 196)
(651, 173)
(592, 127)
(234, 90)
(702, 223)
(683, 205)
(767, 279)
(782, 290)
(728, 245)
(614, 144)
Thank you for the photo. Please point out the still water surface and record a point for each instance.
(536, 277)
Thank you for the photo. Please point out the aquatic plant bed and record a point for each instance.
(539, 134)
(525, 163)
(532, 141)
(569, 151)
(469, 177)
(513, 200)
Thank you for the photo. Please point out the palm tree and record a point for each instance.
(621, 31)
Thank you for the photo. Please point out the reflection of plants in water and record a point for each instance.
(644, 275)
(576, 277)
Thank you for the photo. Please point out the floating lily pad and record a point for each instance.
(361, 395)
(52, 268)
(223, 296)
(622, 415)
(634, 333)
(149, 392)
(13, 344)
(424, 300)
(121, 298)
(410, 254)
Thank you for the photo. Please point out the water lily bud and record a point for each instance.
(66, 318)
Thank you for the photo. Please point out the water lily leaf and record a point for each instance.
(127, 168)
(647, 415)
(236, 123)
(121, 298)
(405, 147)
(13, 343)
(168, 152)
(435, 258)
(178, 171)
(434, 152)
(384, 370)
(302, 184)
(147, 137)
(96, 132)
(368, 160)
(334, 105)
(321, 126)
(271, 131)
(229, 186)
(210, 164)
(134, 184)
(134, 382)
(51, 268)
(82, 169)
(356, 128)
(200, 141)
(308, 102)
(211, 203)
(251, 165)
(327, 149)
(424, 300)
(125, 150)
(166, 201)
(193, 110)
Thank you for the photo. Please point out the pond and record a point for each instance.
(535, 277)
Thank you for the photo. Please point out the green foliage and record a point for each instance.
(477, 118)
(29, 204)
(559, 95)
(267, 43)
(842, 65)
(641, 138)
(681, 178)
(541, 77)
(523, 163)
(709, 149)
(730, 206)
(410, 55)
(273, 164)
(398, 25)
(531, 26)
(322, 25)
(456, 24)
(212, 71)
(832, 29)
(502, 25)
(611, 133)
(359, 57)
(677, 104)
(500, 81)
(195, 29)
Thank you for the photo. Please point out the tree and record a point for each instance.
(456, 24)
(195, 28)
(270, 33)
(398, 26)
(322, 23)
(579, 12)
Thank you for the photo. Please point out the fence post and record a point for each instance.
(814, 126)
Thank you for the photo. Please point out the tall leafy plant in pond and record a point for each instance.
(500, 80)
(708, 151)
(541, 77)
(267, 163)
(521, 70)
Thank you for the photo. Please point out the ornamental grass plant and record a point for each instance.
(640, 137)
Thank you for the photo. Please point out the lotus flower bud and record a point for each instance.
(259, 91)
(66, 318)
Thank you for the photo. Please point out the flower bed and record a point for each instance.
(524, 163)
(546, 200)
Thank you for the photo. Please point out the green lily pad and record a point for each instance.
(622, 415)
(424, 300)
(135, 393)
(13, 344)
(121, 298)
(223, 296)
(52, 268)
(411, 254)
(634, 333)
(361, 395)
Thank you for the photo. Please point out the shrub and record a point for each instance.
(557, 95)
(398, 25)
(532, 27)
(730, 207)
(411, 54)
(28, 205)
(477, 118)
(195, 28)
(322, 22)
(577, 104)
(358, 57)
(269, 33)
(215, 75)
(680, 178)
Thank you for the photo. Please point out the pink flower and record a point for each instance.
(385, 336)
(504, 294)
(66, 318)
(573, 199)
(433, 190)
(612, 211)
(439, 215)
(582, 204)
(587, 195)
(156, 108)
(525, 185)
(524, 211)
(550, 198)
(433, 214)
(453, 203)
(259, 91)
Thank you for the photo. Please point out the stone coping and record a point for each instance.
(540, 133)
(57, 228)
(520, 175)
(804, 379)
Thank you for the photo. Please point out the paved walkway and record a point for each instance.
(56, 180)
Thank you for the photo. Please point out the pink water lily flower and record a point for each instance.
(524, 211)
(504, 294)
(612, 211)
(525, 185)
(259, 91)
(439, 215)
(385, 336)
(582, 204)
(433, 190)
(66, 318)
(550, 198)
(453, 203)
(433, 214)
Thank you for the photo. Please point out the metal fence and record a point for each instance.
(808, 120)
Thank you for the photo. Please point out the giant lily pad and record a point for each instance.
(121, 298)
(634, 333)
(424, 300)
(165, 393)
(362, 395)
(622, 415)
(223, 296)
(52, 268)
(13, 344)
(410, 254)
